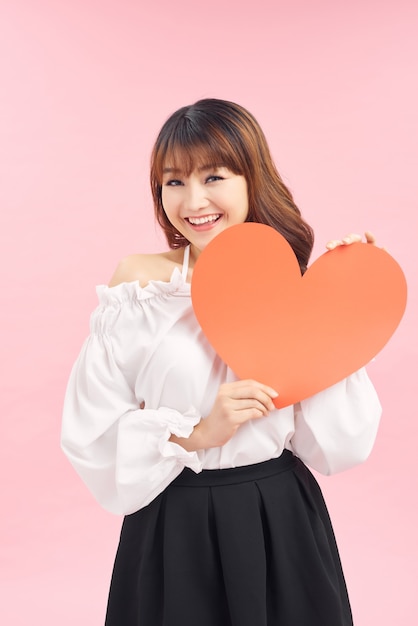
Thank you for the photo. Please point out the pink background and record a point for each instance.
(85, 86)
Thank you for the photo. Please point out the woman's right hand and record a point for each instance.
(235, 404)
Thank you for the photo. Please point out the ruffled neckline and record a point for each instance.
(133, 290)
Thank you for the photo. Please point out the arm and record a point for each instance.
(127, 455)
(121, 452)
(235, 404)
(336, 428)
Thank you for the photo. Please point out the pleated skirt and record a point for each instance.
(248, 546)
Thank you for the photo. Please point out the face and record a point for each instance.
(203, 204)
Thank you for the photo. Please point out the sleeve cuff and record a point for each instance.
(180, 425)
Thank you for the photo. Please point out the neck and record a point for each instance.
(194, 255)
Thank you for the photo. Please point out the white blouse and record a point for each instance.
(147, 349)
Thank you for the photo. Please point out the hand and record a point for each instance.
(235, 404)
(349, 239)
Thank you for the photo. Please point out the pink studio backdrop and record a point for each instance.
(85, 87)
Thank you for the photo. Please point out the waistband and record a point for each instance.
(233, 475)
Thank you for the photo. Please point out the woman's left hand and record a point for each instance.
(349, 239)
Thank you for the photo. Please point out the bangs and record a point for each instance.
(191, 146)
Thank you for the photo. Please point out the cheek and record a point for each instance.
(167, 202)
(163, 198)
(244, 196)
(245, 203)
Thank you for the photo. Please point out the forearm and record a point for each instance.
(336, 428)
(235, 404)
(127, 464)
(195, 442)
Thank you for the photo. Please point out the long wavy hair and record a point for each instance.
(218, 132)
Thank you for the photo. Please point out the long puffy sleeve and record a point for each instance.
(121, 452)
(336, 428)
(146, 349)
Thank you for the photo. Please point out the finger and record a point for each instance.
(351, 238)
(370, 238)
(250, 390)
(255, 399)
(249, 414)
(333, 244)
(240, 401)
(257, 385)
(346, 241)
(260, 401)
(243, 406)
(244, 410)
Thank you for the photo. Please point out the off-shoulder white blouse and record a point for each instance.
(146, 346)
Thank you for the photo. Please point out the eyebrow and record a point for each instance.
(176, 170)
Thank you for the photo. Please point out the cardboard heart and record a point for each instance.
(297, 334)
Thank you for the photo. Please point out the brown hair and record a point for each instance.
(218, 132)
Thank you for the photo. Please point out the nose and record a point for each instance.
(196, 196)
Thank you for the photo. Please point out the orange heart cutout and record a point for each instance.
(297, 334)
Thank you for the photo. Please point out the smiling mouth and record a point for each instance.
(198, 221)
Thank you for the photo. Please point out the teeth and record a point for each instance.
(203, 220)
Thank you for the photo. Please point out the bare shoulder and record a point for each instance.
(146, 267)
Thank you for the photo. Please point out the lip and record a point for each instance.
(205, 225)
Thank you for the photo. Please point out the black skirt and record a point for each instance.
(248, 546)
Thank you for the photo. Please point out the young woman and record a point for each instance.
(224, 524)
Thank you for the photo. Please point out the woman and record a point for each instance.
(224, 524)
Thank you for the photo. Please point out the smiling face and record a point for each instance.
(204, 202)
(242, 184)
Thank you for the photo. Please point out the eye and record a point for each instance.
(174, 182)
(213, 178)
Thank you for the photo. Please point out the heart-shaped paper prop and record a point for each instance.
(297, 334)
